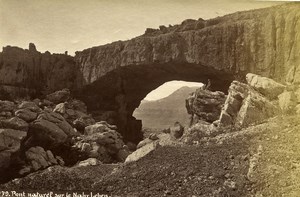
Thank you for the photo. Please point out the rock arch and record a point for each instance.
(114, 78)
(122, 90)
(119, 75)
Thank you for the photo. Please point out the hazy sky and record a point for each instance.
(168, 88)
(73, 25)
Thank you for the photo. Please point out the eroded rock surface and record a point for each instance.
(245, 106)
(205, 105)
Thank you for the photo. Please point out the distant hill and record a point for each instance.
(164, 112)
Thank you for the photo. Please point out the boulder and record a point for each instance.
(255, 108)
(10, 139)
(60, 108)
(51, 128)
(15, 123)
(198, 131)
(59, 96)
(26, 114)
(266, 86)
(7, 106)
(74, 111)
(38, 158)
(32, 106)
(245, 106)
(176, 130)
(82, 122)
(10, 142)
(89, 162)
(142, 152)
(59, 121)
(99, 127)
(47, 132)
(104, 144)
(205, 105)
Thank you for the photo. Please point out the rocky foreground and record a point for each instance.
(55, 130)
(241, 144)
(262, 160)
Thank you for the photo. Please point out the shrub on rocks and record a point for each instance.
(177, 130)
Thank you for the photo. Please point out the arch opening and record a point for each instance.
(114, 96)
(166, 105)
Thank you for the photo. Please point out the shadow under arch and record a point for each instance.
(114, 96)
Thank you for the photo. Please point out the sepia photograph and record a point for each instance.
(139, 98)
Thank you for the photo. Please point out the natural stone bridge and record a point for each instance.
(114, 78)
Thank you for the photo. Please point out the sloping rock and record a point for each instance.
(144, 142)
(266, 86)
(142, 152)
(245, 106)
(255, 108)
(51, 128)
(59, 121)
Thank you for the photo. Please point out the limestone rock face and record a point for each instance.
(205, 105)
(265, 86)
(28, 72)
(245, 106)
